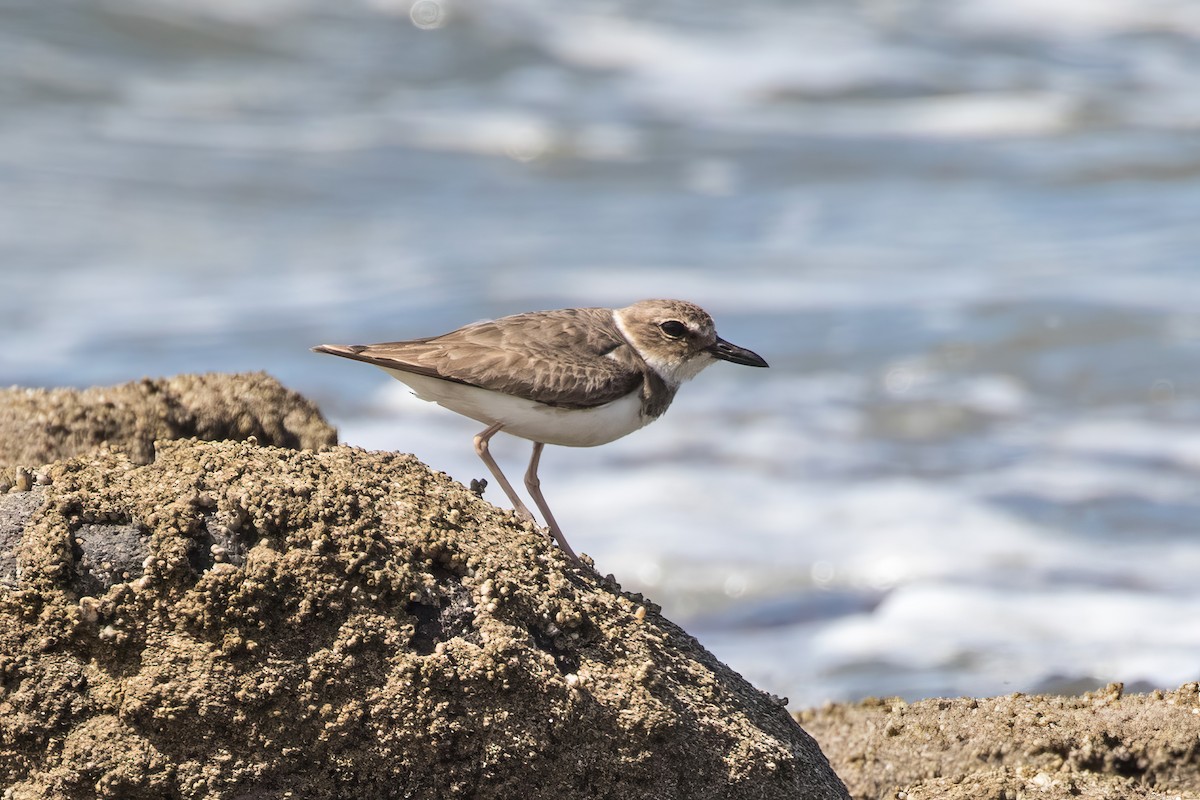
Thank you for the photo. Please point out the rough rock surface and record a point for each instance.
(240, 621)
(232, 620)
(1101, 745)
(38, 426)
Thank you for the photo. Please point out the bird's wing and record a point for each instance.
(573, 358)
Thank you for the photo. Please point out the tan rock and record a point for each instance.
(38, 426)
(345, 624)
(1103, 744)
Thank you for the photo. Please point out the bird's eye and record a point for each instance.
(674, 328)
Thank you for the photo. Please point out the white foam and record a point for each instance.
(1068, 479)
(667, 66)
(1073, 19)
(1138, 438)
(1023, 636)
(992, 115)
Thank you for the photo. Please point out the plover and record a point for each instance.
(577, 377)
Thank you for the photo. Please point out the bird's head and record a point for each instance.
(678, 339)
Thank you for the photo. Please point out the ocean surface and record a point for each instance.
(965, 234)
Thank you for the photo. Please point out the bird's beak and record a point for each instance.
(736, 355)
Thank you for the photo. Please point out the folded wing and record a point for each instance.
(574, 358)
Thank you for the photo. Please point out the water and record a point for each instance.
(963, 233)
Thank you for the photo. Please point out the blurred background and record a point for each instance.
(965, 233)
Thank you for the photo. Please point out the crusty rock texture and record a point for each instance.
(38, 426)
(1103, 745)
(231, 620)
(216, 619)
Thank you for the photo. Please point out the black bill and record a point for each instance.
(736, 355)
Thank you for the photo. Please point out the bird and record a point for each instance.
(574, 377)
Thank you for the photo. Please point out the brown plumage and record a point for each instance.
(571, 358)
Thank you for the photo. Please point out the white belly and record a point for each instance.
(529, 420)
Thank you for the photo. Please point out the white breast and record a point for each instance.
(528, 419)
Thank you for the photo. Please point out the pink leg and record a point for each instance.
(534, 485)
(481, 450)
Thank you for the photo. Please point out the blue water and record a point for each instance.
(963, 233)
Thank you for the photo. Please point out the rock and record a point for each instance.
(1103, 744)
(16, 510)
(38, 426)
(232, 620)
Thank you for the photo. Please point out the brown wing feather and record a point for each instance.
(573, 358)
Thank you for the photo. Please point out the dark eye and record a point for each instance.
(674, 328)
